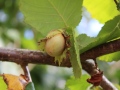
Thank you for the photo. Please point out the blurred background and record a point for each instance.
(14, 33)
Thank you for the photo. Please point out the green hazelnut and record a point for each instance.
(55, 43)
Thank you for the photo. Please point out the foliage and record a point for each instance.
(110, 31)
(78, 84)
(47, 15)
(30, 86)
(101, 10)
(14, 82)
(3, 86)
(74, 54)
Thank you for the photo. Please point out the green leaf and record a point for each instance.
(84, 41)
(110, 57)
(118, 86)
(28, 43)
(3, 86)
(111, 28)
(110, 31)
(96, 88)
(78, 84)
(102, 10)
(47, 15)
(74, 54)
(30, 86)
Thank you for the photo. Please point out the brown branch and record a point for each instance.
(26, 73)
(22, 56)
(90, 67)
(102, 49)
(30, 56)
(36, 57)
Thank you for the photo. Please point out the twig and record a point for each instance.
(22, 56)
(90, 67)
(26, 72)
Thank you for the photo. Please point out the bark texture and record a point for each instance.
(23, 56)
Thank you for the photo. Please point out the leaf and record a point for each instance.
(110, 31)
(74, 54)
(111, 28)
(47, 15)
(102, 10)
(118, 86)
(96, 88)
(30, 86)
(84, 41)
(110, 57)
(3, 86)
(28, 43)
(78, 84)
(14, 82)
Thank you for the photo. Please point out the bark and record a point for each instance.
(23, 56)
(90, 67)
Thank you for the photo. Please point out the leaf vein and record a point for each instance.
(58, 13)
(66, 6)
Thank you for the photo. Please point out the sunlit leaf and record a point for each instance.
(3, 86)
(102, 10)
(96, 88)
(110, 57)
(110, 31)
(14, 82)
(46, 15)
(118, 86)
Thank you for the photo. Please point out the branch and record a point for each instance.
(22, 56)
(90, 67)
(100, 50)
(38, 57)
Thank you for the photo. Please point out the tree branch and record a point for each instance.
(90, 67)
(102, 49)
(22, 56)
